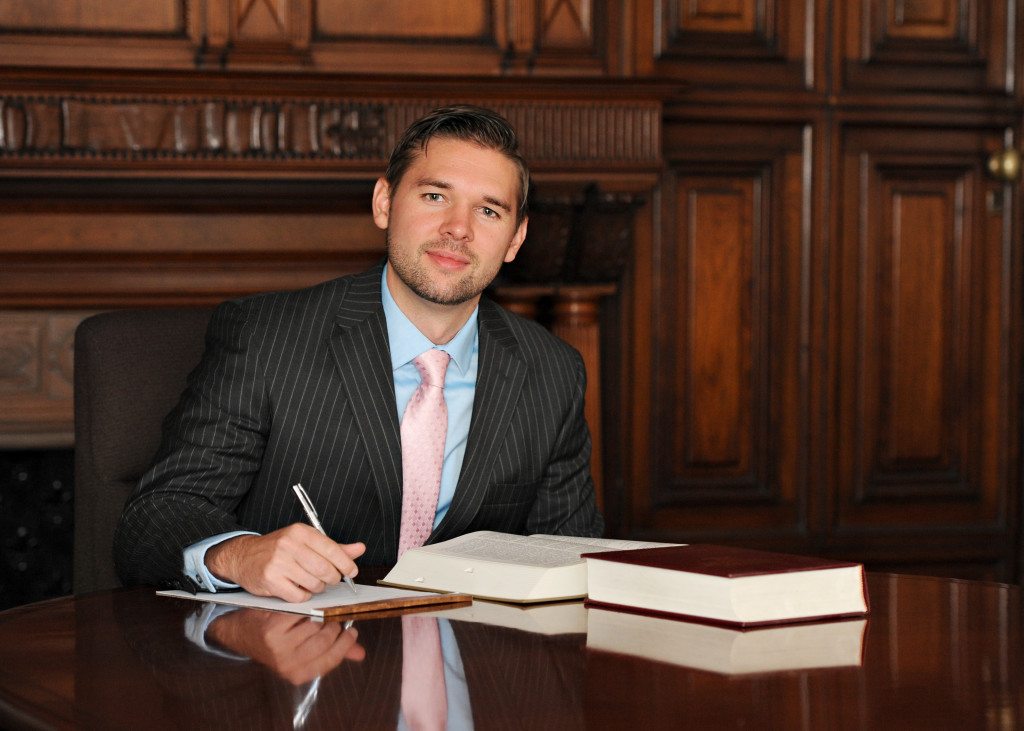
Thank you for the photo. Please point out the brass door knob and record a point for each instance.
(1005, 165)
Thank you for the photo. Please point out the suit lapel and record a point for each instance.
(359, 344)
(499, 382)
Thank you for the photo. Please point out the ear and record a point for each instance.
(381, 203)
(517, 241)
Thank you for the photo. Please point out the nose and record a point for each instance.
(458, 223)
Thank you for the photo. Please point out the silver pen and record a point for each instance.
(307, 507)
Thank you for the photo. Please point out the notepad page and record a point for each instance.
(334, 596)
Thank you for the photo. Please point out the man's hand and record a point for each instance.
(295, 647)
(293, 563)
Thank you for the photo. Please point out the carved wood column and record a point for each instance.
(576, 309)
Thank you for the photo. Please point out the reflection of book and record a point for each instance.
(502, 566)
(556, 618)
(724, 584)
(728, 651)
(335, 601)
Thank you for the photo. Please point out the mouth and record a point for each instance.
(448, 260)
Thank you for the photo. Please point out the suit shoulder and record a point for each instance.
(319, 299)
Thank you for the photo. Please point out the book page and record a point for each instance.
(536, 550)
(593, 545)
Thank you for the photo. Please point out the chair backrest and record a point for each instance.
(130, 369)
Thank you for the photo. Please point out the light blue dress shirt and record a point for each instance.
(406, 342)
(459, 385)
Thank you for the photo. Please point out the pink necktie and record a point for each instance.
(424, 427)
(424, 703)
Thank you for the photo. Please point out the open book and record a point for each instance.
(335, 601)
(505, 567)
(728, 651)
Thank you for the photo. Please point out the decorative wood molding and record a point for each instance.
(255, 130)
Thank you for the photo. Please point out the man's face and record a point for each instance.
(451, 221)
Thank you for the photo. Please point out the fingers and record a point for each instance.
(341, 556)
(293, 563)
(301, 650)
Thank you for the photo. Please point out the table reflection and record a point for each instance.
(936, 654)
(271, 670)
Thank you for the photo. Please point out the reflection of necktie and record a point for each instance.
(424, 427)
(424, 702)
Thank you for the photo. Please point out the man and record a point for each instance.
(310, 387)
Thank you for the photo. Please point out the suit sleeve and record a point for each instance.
(213, 442)
(565, 503)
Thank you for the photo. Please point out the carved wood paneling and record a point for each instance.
(719, 16)
(941, 45)
(71, 126)
(175, 131)
(36, 372)
(488, 37)
(924, 434)
(449, 20)
(943, 20)
(728, 411)
(731, 41)
(566, 24)
(86, 17)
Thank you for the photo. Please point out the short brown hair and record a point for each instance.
(463, 122)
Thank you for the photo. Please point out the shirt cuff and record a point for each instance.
(195, 561)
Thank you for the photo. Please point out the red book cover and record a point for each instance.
(725, 561)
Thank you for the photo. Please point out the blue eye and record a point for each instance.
(490, 212)
(434, 197)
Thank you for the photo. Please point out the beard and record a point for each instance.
(436, 288)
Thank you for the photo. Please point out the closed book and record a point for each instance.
(726, 585)
(725, 650)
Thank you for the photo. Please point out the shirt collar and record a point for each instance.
(407, 342)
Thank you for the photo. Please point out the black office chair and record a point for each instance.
(130, 369)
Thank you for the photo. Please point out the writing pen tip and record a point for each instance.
(351, 584)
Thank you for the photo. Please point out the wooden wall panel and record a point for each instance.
(452, 20)
(712, 426)
(479, 37)
(924, 437)
(728, 410)
(739, 42)
(939, 45)
(129, 17)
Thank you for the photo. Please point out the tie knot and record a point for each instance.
(432, 365)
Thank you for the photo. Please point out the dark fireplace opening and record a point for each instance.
(36, 524)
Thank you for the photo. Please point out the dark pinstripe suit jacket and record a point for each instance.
(298, 387)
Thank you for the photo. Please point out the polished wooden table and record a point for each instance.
(936, 654)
